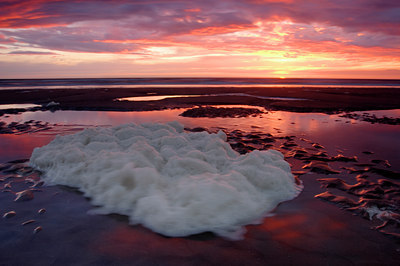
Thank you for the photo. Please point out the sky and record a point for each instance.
(208, 38)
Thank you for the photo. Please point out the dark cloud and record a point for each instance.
(31, 53)
(360, 15)
(103, 26)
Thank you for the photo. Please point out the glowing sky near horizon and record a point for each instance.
(224, 38)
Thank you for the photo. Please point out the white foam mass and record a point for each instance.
(173, 182)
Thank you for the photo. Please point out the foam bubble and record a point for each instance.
(173, 182)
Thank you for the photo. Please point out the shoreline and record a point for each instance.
(314, 230)
(343, 170)
(311, 99)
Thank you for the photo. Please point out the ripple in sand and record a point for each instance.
(378, 200)
(37, 229)
(321, 168)
(28, 222)
(22, 128)
(213, 112)
(372, 118)
(24, 195)
(318, 146)
(9, 214)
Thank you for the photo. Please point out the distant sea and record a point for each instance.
(80, 83)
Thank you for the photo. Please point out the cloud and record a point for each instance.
(67, 39)
(163, 30)
(6, 40)
(358, 15)
(216, 66)
(31, 53)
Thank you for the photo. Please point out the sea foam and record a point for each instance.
(173, 182)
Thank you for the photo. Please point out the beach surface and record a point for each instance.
(347, 161)
(299, 99)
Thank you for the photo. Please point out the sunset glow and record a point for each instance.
(245, 38)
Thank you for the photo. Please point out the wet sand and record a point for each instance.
(326, 224)
(51, 224)
(313, 99)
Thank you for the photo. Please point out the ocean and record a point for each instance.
(169, 164)
(79, 83)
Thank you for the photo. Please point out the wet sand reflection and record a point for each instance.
(13, 147)
(303, 231)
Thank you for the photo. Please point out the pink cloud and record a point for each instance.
(359, 15)
(366, 28)
(6, 40)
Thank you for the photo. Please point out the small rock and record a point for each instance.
(318, 146)
(37, 229)
(8, 185)
(52, 104)
(342, 158)
(41, 211)
(24, 195)
(320, 167)
(299, 172)
(28, 222)
(383, 162)
(38, 184)
(9, 214)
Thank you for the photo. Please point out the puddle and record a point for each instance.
(154, 98)
(18, 106)
(162, 97)
(300, 227)
(260, 97)
(331, 131)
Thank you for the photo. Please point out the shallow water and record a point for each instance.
(332, 131)
(162, 97)
(305, 229)
(17, 106)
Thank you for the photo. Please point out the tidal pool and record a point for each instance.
(305, 229)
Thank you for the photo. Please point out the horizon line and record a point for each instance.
(197, 77)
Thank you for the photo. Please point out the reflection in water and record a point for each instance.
(332, 131)
(286, 228)
(288, 122)
(288, 237)
(381, 113)
(18, 106)
(259, 97)
(305, 229)
(162, 97)
(313, 227)
(154, 97)
(13, 147)
(295, 227)
(130, 244)
(227, 85)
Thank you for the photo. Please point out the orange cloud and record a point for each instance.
(192, 10)
(221, 30)
(270, 37)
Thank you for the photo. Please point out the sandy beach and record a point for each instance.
(199, 132)
(347, 161)
(299, 99)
